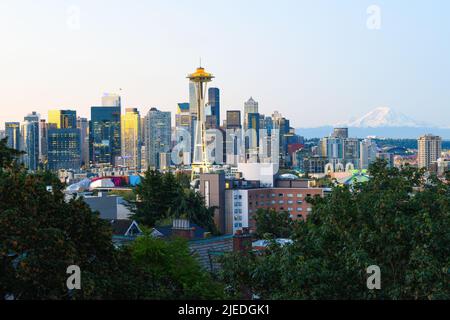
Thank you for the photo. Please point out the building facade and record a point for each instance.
(12, 132)
(214, 104)
(158, 135)
(63, 119)
(105, 135)
(430, 149)
(30, 141)
(131, 139)
(83, 126)
(64, 151)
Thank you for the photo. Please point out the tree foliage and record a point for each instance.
(273, 224)
(162, 196)
(42, 234)
(399, 221)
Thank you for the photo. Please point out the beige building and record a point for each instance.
(131, 138)
(430, 148)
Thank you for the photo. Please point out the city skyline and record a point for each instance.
(328, 56)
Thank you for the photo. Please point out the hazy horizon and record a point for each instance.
(316, 62)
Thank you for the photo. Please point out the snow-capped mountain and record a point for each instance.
(384, 117)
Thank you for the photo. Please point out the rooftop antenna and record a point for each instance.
(200, 62)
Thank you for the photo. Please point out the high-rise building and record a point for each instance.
(111, 100)
(158, 136)
(214, 104)
(182, 117)
(30, 141)
(12, 131)
(340, 133)
(252, 137)
(184, 130)
(131, 138)
(430, 149)
(192, 99)
(83, 126)
(282, 124)
(43, 141)
(368, 153)
(352, 152)
(64, 150)
(63, 119)
(105, 135)
(251, 106)
(234, 119)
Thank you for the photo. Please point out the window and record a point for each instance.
(309, 209)
(290, 209)
(299, 201)
(290, 195)
(290, 202)
(299, 209)
(281, 195)
(281, 202)
(299, 195)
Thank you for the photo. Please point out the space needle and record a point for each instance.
(200, 163)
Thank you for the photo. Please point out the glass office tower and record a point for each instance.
(64, 150)
(12, 131)
(105, 135)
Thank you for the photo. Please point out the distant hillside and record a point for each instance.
(382, 132)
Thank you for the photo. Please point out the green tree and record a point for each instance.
(399, 221)
(8, 156)
(273, 224)
(157, 264)
(162, 196)
(41, 234)
(151, 205)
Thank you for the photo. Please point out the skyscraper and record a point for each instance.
(30, 141)
(183, 117)
(63, 119)
(105, 135)
(192, 99)
(251, 106)
(64, 150)
(430, 148)
(214, 103)
(111, 100)
(184, 131)
(83, 126)
(234, 119)
(158, 135)
(43, 141)
(252, 139)
(12, 131)
(131, 138)
(340, 133)
(368, 153)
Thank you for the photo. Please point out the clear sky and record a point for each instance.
(315, 61)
